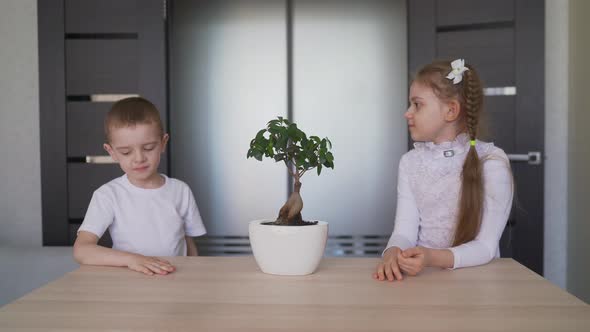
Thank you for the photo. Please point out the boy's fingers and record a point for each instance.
(163, 261)
(156, 268)
(145, 270)
(165, 266)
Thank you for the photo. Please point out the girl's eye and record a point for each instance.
(126, 153)
(416, 104)
(149, 148)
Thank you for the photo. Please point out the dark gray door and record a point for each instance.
(504, 40)
(92, 53)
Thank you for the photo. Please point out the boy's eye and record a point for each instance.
(125, 153)
(149, 148)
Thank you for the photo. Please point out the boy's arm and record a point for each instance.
(191, 247)
(87, 251)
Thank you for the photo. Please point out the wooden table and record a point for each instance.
(230, 293)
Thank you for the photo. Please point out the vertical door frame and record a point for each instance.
(52, 119)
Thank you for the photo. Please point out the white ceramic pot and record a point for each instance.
(288, 250)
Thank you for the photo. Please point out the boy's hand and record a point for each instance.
(150, 265)
(413, 260)
(388, 268)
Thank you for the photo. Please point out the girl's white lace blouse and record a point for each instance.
(428, 192)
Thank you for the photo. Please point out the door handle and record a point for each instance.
(100, 160)
(532, 158)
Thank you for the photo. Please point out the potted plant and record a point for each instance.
(289, 245)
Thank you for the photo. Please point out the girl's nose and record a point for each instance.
(408, 114)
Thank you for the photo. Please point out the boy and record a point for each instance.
(147, 213)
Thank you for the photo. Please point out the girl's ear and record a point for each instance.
(454, 110)
(109, 149)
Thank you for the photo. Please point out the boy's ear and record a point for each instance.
(109, 149)
(165, 139)
(454, 110)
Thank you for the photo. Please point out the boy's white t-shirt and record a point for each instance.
(150, 222)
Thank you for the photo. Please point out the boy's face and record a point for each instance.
(137, 149)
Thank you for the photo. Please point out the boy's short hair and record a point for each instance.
(130, 112)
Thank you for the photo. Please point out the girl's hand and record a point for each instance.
(388, 268)
(150, 265)
(413, 260)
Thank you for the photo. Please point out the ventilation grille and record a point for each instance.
(342, 245)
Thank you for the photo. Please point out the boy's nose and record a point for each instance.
(408, 114)
(139, 157)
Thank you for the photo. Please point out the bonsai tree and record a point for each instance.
(283, 141)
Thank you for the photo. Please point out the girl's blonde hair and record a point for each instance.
(469, 94)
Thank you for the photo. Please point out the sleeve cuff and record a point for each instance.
(456, 259)
(195, 231)
(399, 241)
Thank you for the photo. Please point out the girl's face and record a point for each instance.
(137, 149)
(429, 118)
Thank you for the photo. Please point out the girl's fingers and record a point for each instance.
(406, 269)
(380, 271)
(410, 252)
(396, 271)
(389, 272)
(409, 269)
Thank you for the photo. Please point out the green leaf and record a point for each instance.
(292, 132)
(281, 143)
(260, 133)
(269, 150)
(329, 157)
(286, 142)
(258, 155)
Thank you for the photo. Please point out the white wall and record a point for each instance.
(24, 265)
(350, 84)
(20, 179)
(556, 123)
(579, 151)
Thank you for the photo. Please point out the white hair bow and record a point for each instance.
(456, 73)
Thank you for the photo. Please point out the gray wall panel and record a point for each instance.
(101, 66)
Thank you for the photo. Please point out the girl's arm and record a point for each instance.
(88, 252)
(413, 260)
(405, 232)
(191, 248)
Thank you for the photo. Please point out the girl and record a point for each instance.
(454, 191)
